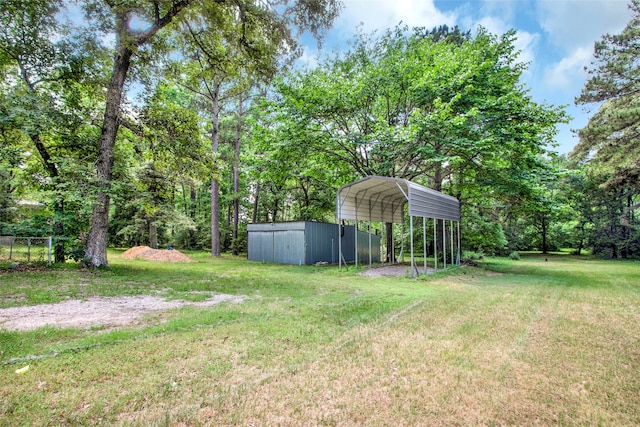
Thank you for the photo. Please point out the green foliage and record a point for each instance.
(48, 98)
(440, 107)
(472, 256)
(514, 256)
(610, 137)
(608, 173)
(483, 233)
(447, 113)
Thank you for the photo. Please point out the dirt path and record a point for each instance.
(108, 312)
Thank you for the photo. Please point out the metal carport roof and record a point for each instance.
(382, 199)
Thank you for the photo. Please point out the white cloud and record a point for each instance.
(581, 23)
(383, 14)
(506, 10)
(568, 73)
(526, 43)
(493, 24)
(308, 59)
(560, 83)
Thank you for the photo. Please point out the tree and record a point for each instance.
(610, 143)
(449, 113)
(174, 150)
(291, 183)
(129, 41)
(11, 158)
(133, 43)
(49, 93)
(611, 139)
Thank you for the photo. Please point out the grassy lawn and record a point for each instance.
(511, 342)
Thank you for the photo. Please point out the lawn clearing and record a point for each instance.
(513, 342)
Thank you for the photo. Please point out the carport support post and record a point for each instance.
(444, 243)
(393, 247)
(451, 233)
(435, 246)
(458, 243)
(424, 242)
(370, 263)
(356, 239)
(413, 261)
(340, 225)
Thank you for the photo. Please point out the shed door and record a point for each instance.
(288, 247)
(261, 246)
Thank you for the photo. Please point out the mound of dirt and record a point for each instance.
(162, 255)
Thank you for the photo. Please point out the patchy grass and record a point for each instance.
(513, 342)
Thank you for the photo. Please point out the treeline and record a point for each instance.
(213, 134)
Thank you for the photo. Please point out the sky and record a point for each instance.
(556, 37)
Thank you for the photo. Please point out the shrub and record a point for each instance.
(472, 256)
(514, 255)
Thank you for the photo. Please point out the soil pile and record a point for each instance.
(163, 255)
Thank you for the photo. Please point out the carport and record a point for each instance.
(383, 199)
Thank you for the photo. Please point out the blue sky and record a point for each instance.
(555, 36)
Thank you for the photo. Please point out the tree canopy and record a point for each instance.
(609, 147)
(176, 122)
(611, 138)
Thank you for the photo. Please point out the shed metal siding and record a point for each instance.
(288, 247)
(260, 246)
(321, 242)
(277, 226)
(307, 243)
(349, 245)
(363, 247)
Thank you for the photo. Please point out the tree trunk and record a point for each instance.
(153, 233)
(215, 187)
(193, 207)
(215, 218)
(127, 42)
(389, 234)
(96, 253)
(256, 204)
(236, 179)
(627, 228)
(581, 242)
(58, 207)
(545, 249)
(276, 208)
(58, 230)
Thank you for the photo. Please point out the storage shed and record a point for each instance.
(309, 242)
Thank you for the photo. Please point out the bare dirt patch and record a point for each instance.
(108, 312)
(396, 270)
(163, 255)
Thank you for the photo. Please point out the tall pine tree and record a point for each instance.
(611, 139)
(610, 143)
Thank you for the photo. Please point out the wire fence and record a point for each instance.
(25, 249)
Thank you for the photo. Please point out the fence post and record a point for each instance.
(49, 250)
(11, 247)
(28, 249)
